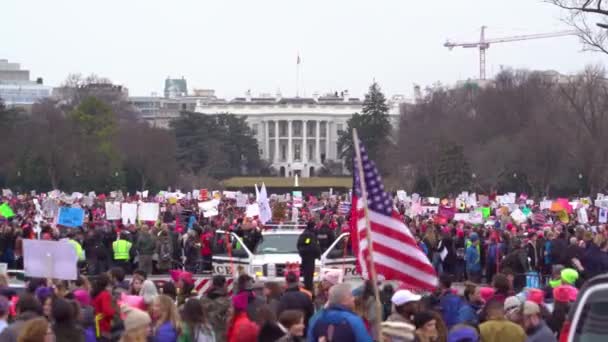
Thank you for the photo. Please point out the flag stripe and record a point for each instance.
(392, 247)
(396, 254)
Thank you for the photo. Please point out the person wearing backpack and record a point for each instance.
(164, 250)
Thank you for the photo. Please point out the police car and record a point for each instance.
(274, 253)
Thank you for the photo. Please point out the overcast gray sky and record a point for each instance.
(235, 45)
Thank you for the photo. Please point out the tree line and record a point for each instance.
(89, 137)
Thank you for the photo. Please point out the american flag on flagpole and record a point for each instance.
(396, 254)
(344, 208)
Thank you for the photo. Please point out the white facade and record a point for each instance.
(297, 135)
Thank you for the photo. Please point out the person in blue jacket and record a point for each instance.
(472, 259)
(338, 322)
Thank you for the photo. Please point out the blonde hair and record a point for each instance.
(168, 311)
(3, 280)
(136, 335)
(34, 330)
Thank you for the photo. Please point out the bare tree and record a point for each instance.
(590, 19)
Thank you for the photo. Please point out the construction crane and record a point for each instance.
(483, 44)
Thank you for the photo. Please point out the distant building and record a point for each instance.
(176, 87)
(296, 135)
(16, 88)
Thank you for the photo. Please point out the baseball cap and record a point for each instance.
(474, 237)
(512, 303)
(531, 308)
(402, 297)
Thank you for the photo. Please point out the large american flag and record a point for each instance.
(396, 254)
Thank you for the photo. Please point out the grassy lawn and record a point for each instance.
(281, 182)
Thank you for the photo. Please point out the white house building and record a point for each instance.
(297, 135)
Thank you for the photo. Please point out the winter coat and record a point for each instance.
(165, 333)
(347, 325)
(242, 329)
(145, 244)
(501, 330)
(102, 304)
(270, 331)
(11, 333)
(472, 259)
(216, 304)
(164, 244)
(294, 299)
(541, 333)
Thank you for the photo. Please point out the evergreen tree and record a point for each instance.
(373, 126)
(454, 172)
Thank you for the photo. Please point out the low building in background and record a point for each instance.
(16, 88)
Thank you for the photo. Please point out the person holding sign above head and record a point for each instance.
(122, 249)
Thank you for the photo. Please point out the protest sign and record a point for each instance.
(241, 200)
(129, 213)
(113, 211)
(70, 217)
(230, 194)
(252, 210)
(217, 195)
(476, 217)
(210, 212)
(485, 211)
(204, 195)
(484, 200)
(7, 193)
(49, 259)
(50, 208)
(582, 216)
(297, 199)
(518, 216)
(148, 211)
(6, 211)
(601, 203)
(447, 212)
(464, 217)
(602, 216)
(402, 195)
(196, 193)
(427, 209)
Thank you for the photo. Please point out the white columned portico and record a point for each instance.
(276, 141)
(304, 148)
(266, 139)
(289, 144)
(326, 140)
(318, 143)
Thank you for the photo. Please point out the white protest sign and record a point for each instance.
(402, 195)
(113, 211)
(129, 213)
(602, 215)
(210, 212)
(415, 198)
(518, 216)
(252, 210)
(7, 192)
(433, 200)
(603, 203)
(196, 193)
(461, 217)
(230, 194)
(148, 211)
(476, 217)
(49, 259)
(582, 216)
(207, 205)
(241, 200)
(545, 205)
(297, 199)
(430, 209)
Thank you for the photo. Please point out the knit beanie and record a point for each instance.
(134, 318)
(569, 275)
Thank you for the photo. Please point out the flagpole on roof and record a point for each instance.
(370, 261)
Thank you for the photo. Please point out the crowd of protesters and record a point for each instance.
(515, 281)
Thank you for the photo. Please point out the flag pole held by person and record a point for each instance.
(370, 256)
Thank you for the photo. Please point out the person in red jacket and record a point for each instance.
(206, 238)
(241, 329)
(102, 303)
